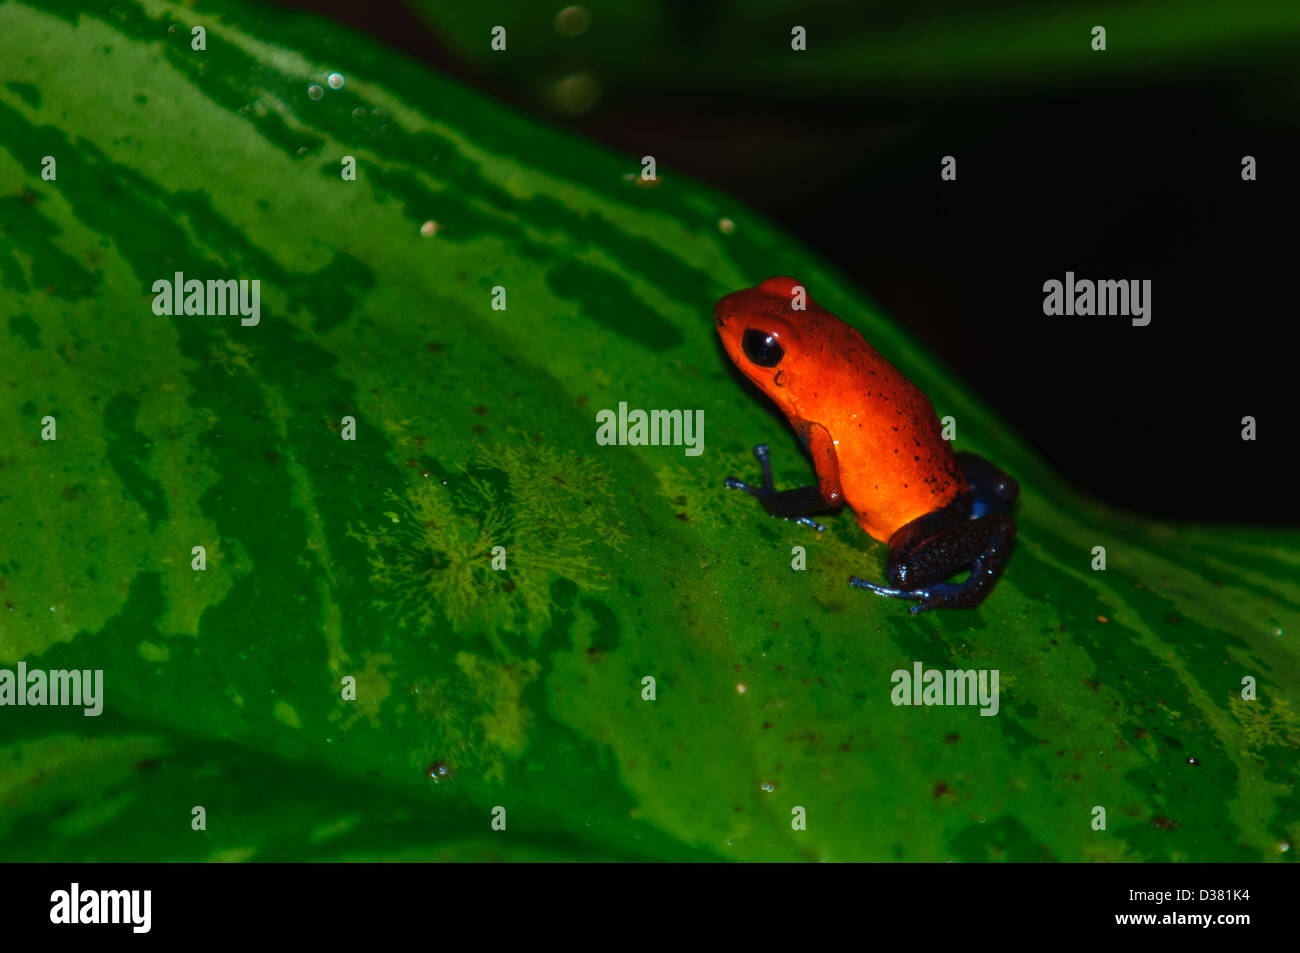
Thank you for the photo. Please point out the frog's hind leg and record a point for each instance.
(933, 547)
(994, 491)
(794, 504)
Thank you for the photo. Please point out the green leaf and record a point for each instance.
(475, 428)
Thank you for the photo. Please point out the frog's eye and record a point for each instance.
(762, 348)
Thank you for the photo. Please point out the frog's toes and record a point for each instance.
(927, 597)
(859, 583)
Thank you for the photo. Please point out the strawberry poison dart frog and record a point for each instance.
(877, 446)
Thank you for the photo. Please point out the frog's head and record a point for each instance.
(767, 330)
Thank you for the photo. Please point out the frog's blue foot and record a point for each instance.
(939, 596)
(793, 504)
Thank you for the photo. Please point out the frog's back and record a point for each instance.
(894, 463)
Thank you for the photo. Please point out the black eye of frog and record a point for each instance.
(762, 348)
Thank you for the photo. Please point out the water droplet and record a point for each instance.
(768, 786)
(315, 92)
(335, 80)
(429, 229)
(573, 21)
(576, 94)
(740, 688)
(726, 226)
(438, 771)
(1192, 761)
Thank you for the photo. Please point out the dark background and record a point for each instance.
(1138, 179)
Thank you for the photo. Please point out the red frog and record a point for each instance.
(877, 447)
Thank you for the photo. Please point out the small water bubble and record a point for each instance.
(573, 21)
(576, 94)
(335, 80)
(358, 113)
(1277, 631)
(768, 786)
(740, 688)
(315, 92)
(1192, 761)
(438, 771)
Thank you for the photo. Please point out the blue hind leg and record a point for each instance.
(975, 533)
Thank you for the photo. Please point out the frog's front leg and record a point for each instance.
(797, 504)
